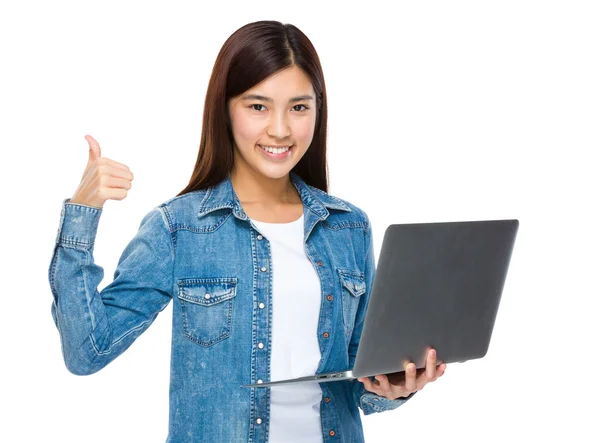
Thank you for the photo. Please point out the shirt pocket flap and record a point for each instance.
(207, 294)
(354, 283)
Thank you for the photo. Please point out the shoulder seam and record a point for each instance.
(169, 225)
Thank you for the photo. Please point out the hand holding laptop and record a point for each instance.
(437, 289)
(404, 383)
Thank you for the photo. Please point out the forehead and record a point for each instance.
(291, 84)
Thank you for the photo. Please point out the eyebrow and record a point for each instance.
(268, 99)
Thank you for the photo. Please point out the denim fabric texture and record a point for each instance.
(201, 251)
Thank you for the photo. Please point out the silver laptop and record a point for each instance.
(436, 285)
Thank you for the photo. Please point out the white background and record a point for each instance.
(445, 110)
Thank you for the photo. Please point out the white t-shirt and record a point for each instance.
(295, 409)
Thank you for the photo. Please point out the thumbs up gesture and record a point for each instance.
(103, 179)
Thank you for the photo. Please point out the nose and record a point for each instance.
(278, 127)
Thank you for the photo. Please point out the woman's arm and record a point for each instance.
(96, 327)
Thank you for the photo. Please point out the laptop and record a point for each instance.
(437, 285)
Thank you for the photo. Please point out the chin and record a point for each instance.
(274, 173)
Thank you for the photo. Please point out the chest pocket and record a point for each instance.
(207, 308)
(353, 286)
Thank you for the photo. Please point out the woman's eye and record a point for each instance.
(258, 104)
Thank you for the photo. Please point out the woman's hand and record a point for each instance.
(103, 179)
(402, 384)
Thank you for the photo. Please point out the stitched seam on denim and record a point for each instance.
(327, 348)
(210, 229)
(88, 259)
(349, 328)
(347, 272)
(212, 340)
(344, 225)
(313, 189)
(351, 280)
(336, 417)
(187, 194)
(201, 301)
(191, 282)
(62, 346)
(84, 208)
(167, 219)
(320, 191)
(75, 243)
(206, 344)
(110, 347)
(135, 328)
(306, 189)
(269, 347)
(255, 312)
(173, 238)
(214, 208)
(364, 400)
(208, 193)
(52, 273)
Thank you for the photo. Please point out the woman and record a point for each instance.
(269, 274)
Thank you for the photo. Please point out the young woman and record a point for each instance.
(270, 275)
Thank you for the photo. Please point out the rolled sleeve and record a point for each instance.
(78, 224)
(371, 403)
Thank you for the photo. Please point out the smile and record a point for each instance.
(277, 153)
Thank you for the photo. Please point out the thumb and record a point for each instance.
(94, 149)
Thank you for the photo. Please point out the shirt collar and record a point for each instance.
(223, 196)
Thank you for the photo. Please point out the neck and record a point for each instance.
(253, 187)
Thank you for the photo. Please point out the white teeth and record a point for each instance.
(275, 150)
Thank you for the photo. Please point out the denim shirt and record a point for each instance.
(202, 251)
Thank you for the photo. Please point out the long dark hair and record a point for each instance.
(250, 55)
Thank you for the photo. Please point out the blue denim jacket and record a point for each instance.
(201, 250)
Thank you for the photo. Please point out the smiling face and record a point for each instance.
(278, 112)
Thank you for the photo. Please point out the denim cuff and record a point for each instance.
(78, 224)
(376, 403)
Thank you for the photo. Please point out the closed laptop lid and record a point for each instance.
(437, 285)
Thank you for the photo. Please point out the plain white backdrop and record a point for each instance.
(447, 111)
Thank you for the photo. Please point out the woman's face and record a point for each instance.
(280, 113)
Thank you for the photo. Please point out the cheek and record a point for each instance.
(305, 130)
(246, 131)
(244, 128)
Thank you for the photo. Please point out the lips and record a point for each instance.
(272, 156)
